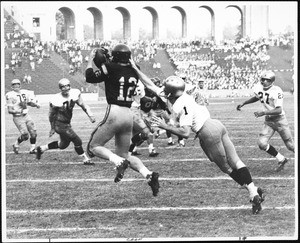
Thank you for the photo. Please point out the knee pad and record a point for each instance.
(63, 145)
(289, 143)
(25, 136)
(262, 146)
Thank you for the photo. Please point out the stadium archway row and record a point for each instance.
(39, 18)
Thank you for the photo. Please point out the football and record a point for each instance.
(100, 57)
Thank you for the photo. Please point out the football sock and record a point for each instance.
(52, 145)
(19, 140)
(252, 190)
(170, 140)
(131, 147)
(244, 175)
(235, 176)
(150, 147)
(145, 172)
(79, 150)
(271, 150)
(280, 157)
(32, 140)
(84, 156)
(117, 160)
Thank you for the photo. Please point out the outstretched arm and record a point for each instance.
(146, 80)
(183, 131)
(86, 109)
(249, 101)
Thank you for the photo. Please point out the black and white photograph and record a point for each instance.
(127, 121)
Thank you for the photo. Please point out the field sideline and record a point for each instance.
(58, 199)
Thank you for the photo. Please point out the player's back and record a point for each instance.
(120, 84)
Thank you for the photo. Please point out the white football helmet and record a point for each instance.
(14, 86)
(174, 86)
(64, 86)
(268, 76)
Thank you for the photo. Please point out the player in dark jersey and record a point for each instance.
(120, 82)
(60, 115)
(142, 130)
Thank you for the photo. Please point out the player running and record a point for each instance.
(17, 101)
(120, 83)
(271, 97)
(60, 115)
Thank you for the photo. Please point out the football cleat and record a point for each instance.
(153, 153)
(38, 152)
(281, 165)
(154, 184)
(15, 149)
(32, 151)
(120, 170)
(135, 153)
(261, 194)
(171, 143)
(88, 162)
(256, 204)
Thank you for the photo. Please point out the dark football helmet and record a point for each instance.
(101, 56)
(121, 53)
(174, 86)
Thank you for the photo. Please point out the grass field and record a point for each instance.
(59, 199)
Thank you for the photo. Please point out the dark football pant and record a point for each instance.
(67, 135)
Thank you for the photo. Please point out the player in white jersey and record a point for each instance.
(271, 97)
(60, 115)
(212, 134)
(141, 128)
(199, 94)
(17, 101)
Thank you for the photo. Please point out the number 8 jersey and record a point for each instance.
(271, 98)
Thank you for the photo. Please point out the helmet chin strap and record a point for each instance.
(266, 88)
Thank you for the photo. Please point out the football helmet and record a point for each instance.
(64, 86)
(121, 53)
(16, 81)
(174, 86)
(267, 76)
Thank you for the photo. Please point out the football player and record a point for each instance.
(17, 101)
(142, 130)
(120, 83)
(212, 135)
(271, 97)
(60, 115)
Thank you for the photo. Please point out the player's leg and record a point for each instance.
(219, 148)
(32, 132)
(138, 137)
(20, 123)
(60, 128)
(263, 142)
(285, 133)
(122, 141)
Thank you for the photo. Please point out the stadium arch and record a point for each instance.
(254, 18)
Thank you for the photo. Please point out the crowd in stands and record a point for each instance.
(229, 65)
(25, 47)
